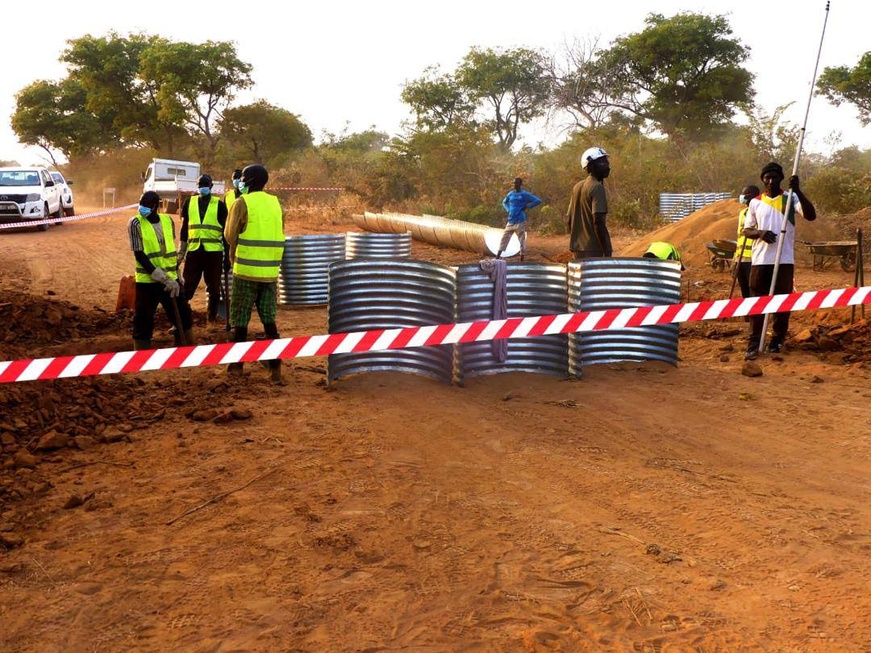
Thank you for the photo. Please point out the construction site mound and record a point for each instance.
(719, 221)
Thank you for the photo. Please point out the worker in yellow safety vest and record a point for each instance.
(203, 217)
(233, 194)
(255, 244)
(152, 240)
(744, 251)
(664, 251)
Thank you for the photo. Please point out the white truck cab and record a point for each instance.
(28, 193)
(174, 180)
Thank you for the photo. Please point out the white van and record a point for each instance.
(28, 194)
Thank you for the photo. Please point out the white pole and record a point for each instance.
(790, 195)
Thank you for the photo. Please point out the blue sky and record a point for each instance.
(341, 65)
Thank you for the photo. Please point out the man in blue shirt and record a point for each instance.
(515, 203)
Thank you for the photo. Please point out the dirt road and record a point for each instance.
(643, 509)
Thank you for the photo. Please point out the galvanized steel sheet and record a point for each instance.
(377, 245)
(303, 276)
(606, 283)
(438, 230)
(533, 289)
(367, 294)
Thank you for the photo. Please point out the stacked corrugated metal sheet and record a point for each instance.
(532, 289)
(612, 283)
(302, 279)
(676, 206)
(370, 294)
(377, 245)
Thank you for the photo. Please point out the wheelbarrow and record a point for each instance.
(827, 252)
(722, 253)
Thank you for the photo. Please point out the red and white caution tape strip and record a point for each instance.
(70, 218)
(63, 367)
(306, 188)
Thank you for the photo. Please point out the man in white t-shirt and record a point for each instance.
(764, 224)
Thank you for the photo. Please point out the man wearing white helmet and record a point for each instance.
(588, 208)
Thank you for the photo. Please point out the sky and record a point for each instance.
(341, 65)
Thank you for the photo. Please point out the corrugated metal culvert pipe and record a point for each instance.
(604, 283)
(303, 278)
(533, 289)
(377, 245)
(369, 294)
(437, 230)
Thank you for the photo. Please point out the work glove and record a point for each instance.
(172, 287)
(159, 275)
(768, 236)
(793, 184)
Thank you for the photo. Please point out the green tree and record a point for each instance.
(53, 116)
(438, 101)
(195, 83)
(683, 75)
(263, 133)
(853, 85)
(513, 83)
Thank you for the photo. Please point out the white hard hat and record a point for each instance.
(592, 154)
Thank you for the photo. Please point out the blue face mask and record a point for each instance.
(242, 188)
(744, 199)
(205, 190)
(236, 183)
(144, 211)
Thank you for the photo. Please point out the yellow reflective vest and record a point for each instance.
(747, 243)
(260, 246)
(161, 256)
(229, 198)
(664, 251)
(204, 230)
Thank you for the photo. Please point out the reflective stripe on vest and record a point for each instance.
(164, 257)
(748, 243)
(664, 251)
(205, 231)
(260, 247)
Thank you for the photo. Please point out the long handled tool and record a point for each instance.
(178, 325)
(226, 283)
(737, 270)
(790, 195)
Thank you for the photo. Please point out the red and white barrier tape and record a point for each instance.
(63, 367)
(306, 188)
(70, 218)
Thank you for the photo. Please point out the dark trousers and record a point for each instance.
(201, 264)
(742, 274)
(148, 296)
(760, 285)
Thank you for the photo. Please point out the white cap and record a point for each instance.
(592, 154)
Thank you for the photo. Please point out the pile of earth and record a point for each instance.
(45, 426)
(28, 322)
(719, 221)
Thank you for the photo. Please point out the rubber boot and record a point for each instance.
(240, 334)
(139, 345)
(212, 310)
(275, 372)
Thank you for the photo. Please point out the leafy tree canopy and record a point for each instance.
(853, 85)
(261, 132)
(682, 74)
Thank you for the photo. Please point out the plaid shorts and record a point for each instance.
(245, 294)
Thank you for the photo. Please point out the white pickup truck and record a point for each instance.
(29, 194)
(175, 180)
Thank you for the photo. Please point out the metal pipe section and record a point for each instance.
(303, 277)
(377, 245)
(533, 289)
(369, 294)
(437, 230)
(606, 283)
